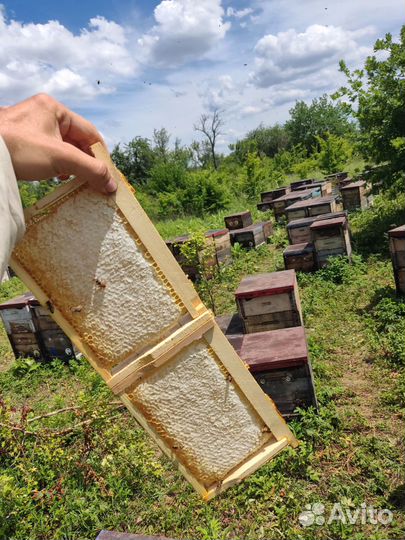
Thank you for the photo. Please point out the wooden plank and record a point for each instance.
(177, 345)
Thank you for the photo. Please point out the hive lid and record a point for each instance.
(295, 195)
(266, 284)
(353, 185)
(311, 202)
(302, 222)
(248, 228)
(304, 182)
(323, 223)
(19, 302)
(238, 214)
(296, 249)
(398, 232)
(274, 349)
(216, 232)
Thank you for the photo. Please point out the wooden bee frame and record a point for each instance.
(89, 299)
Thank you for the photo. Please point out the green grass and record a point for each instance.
(100, 471)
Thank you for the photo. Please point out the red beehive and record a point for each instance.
(269, 301)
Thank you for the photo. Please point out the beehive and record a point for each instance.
(269, 301)
(279, 205)
(268, 196)
(252, 236)
(107, 278)
(300, 257)
(279, 362)
(191, 267)
(331, 238)
(311, 207)
(264, 206)
(238, 221)
(31, 332)
(397, 251)
(298, 184)
(299, 229)
(222, 244)
(354, 196)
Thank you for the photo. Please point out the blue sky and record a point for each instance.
(131, 66)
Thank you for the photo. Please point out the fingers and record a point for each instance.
(77, 130)
(71, 160)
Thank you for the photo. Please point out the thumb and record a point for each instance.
(71, 160)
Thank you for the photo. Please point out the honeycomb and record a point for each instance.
(200, 413)
(92, 266)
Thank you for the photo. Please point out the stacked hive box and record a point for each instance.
(222, 244)
(252, 236)
(300, 257)
(330, 238)
(269, 301)
(31, 332)
(299, 229)
(191, 267)
(278, 360)
(354, 196)
(311, 207)
(279, 205)
(397, 250)
(298, 184)
(267, 197)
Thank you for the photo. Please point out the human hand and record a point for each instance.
(46, 139)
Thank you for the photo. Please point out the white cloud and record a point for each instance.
(238, 14)
(186, 30)
(48, 57)
(219, 94)
(291, 55)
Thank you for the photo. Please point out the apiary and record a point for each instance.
(300, 257)
(279, 362)
(354, 196)
(136, 317)
(269, 301)
(252, 236)
(32, 332)
(311, 208)
(238, 221)
(331, 238)
(298, 184)
(299, 229)
(397, 250)
(267, 196)
(279, 205)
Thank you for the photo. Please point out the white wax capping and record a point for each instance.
(86, 259)
(213, 425)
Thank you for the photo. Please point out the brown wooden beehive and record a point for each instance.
(130, 309)
(354, 196)
(311, 207)
(279, 362)
(279, 205)
(397, 250)
(32, 332)
(268, 196)
(192, 267)
(298, 184)
(331, 238)
(239, 220)
(222, 244)
(269, 301)
(252, 236)
(299, 229)
(300, 257)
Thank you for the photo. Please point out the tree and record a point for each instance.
(307, 122)
(211, 126)
(333, 153)
(161, 138)
(135, 160)
(266, 141)
(376, 98)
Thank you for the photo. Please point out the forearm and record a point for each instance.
(12, 224)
